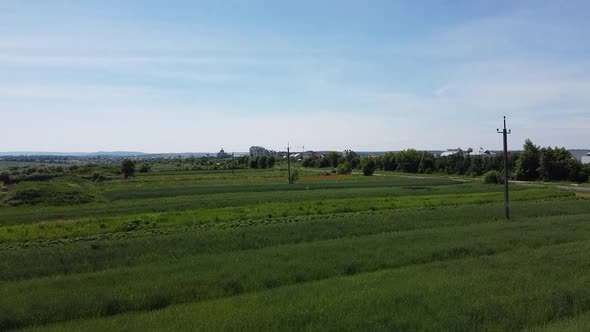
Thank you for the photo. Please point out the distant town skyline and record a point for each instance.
(182, 76)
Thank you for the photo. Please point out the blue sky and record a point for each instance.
(173, 76)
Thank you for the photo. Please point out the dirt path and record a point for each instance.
(559, 186)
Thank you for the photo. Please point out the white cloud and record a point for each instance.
(70, 92)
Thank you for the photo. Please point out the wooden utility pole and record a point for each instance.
(289, 163)
(505, 134)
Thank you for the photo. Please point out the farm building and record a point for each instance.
(586, 159)
(451, 152)
(480, 153)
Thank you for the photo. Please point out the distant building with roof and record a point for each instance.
(222, 155)
(480, 153)
(256, 151)
(586, 158)
(451, 152)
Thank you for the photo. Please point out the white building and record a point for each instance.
(451, 152)
(586, 159)
(256, 151)
(482, 153)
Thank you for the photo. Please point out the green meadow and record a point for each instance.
(176, 249)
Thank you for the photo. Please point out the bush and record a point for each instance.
(294, 176)
(144, 168)
(127, 167)
(270, 162)
(368, 166)
(38, 177)
(97, 176)
(333, 158)
(5, 177)
(493, 177)
(344, 168)
(47, 195)
(309, 162)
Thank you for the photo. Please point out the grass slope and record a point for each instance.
(499, 292)
(212, 250)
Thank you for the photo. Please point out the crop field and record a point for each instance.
(220, 250)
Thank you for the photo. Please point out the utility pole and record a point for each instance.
(505, 133)
(289, 163)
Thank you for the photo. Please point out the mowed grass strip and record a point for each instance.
(28, 214)
(166, 190)
(209, 276)
(141, 247)
(269, 209)
(506, 292)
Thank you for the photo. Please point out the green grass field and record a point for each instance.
(216, 250)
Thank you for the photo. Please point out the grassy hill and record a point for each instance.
(216, 250)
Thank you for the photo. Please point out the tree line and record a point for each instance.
(532, 164)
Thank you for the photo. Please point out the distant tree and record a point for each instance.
(460, 163)
(408, 161)
(584, 174)
(127, 167)
(426, 164)
(352, 158)
(527, 164)
(309, 162)
(333, 157)
(368, 166)
(323, 162)
(476, 167)
(244, 161)
(145, 167)
(262, 162)
(5, 177)
(553, 164)
(270, 162)
(254, 162)
(576, 171)
(389, 162)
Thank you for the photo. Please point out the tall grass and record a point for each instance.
(505, 292)
(264, 208)
(89, 254)
(216, 250)
(207, 276)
